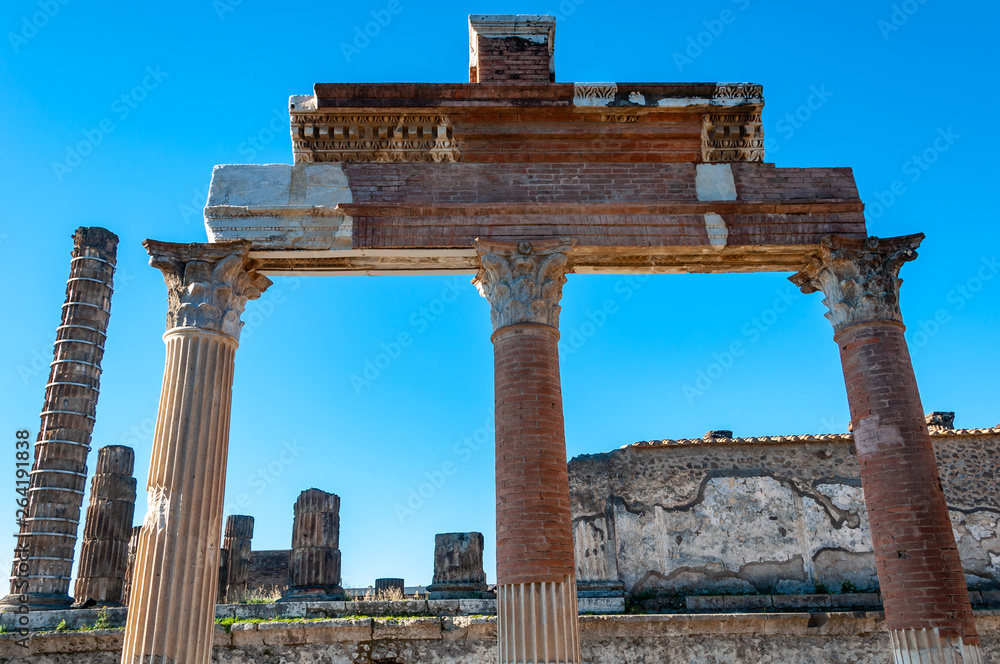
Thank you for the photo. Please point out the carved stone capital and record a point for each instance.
(208, 285)
(523, 281)
(859, 277)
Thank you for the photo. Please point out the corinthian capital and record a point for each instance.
(208, 285)
(860, 277)
(522, 281)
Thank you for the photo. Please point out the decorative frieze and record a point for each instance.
(523, 281)
(747, 93)
(594, 94)
(208, 285)
(732, 137)
(859, 277)
(373, 138)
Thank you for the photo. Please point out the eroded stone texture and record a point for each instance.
(659, 517)
(133, 548)
(269, 571)
(458, 566)
(314, 568)
(59, 474)
(104, 552)
(234, 568)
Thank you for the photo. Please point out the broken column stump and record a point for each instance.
(234, 566)
(314, 572)
(458, 567)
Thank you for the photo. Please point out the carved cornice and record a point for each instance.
(523, 281)
(860, 277)
(732, 136)
(208, 285)
(382, 137)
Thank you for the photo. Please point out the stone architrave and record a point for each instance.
(234, 569)
(924, 592)
(133, 547)
(172, 605)
(536, 576)
(104, 552)
(458, 567)
(47, 537)
(314, 569)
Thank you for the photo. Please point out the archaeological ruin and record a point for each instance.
(868, 546)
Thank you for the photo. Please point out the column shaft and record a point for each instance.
(235, 564)
(172, 610)
(59, 472)
(923, 587)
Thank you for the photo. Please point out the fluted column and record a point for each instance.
(536, 582)
(104, 552)
(59, 472)
(172, 604)
(314, 567)
(133, 548)
(924, 592)
(235, 568)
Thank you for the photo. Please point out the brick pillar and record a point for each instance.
(171, 613)
(59, 472)
(314, 566)
(234, 569)
(133, 547)
(536, 578)
(920, 573)
(511, 48)
(104, 552)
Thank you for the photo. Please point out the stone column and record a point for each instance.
(458, 567)
(235, 568)
(386, 586)
(536, 579)
(924, 592)
(59, 472)
(133, 547)
(314, 569)
(172, 605)
(104, 552)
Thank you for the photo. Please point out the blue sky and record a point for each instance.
(158, 94)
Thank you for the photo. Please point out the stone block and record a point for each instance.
(714, 603)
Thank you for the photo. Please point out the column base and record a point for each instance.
(36, 602)
(314, 594)
(927, 646)
(458, 591)
(537, 623)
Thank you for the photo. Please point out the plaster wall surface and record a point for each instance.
(780, 515)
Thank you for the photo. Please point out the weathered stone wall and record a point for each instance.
(780, 515)
(268, 571)
(855, 638)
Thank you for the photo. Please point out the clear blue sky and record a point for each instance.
(883, 88)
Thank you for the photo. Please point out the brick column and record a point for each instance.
(59, 472)
(536, 580)
(920, 573)
(172, 604)
(104, 552)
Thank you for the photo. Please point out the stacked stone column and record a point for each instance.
(536, 583)
(172, 604)
(133, 548)
(104, 552)
(314, 568)
(59, 473)
(458, 567)
(920, 573)
(235, 566)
